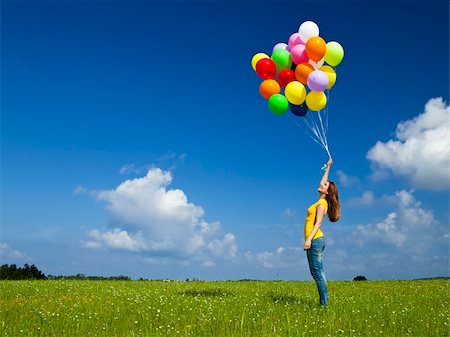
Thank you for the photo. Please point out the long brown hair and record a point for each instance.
(334, 207)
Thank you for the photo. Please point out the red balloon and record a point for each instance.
(266, 68)
(285, 76)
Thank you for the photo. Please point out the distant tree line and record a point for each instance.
(92, 278)
(27, 272)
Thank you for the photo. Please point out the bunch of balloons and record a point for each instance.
(297, 73)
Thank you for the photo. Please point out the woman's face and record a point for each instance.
(323, 188)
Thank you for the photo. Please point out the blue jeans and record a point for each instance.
(315, 256)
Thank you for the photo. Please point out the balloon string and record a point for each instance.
(319, 132)
(311, 132)
(319, 141)
(324, 136)
(317, 129)
(310, 117)
(323, 131)
(326, 109)
(326, 115)
(313, 125)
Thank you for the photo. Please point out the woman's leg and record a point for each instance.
(315, 256)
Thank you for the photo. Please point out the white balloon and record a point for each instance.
(316, 65)
(307, 30)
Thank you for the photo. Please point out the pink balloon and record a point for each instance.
(298, 54)
(294, 39)
(318, 80)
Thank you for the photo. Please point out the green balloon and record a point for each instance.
(334, 53)
(278, 104)
(282, 59)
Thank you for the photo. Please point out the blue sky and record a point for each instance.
(135, 140)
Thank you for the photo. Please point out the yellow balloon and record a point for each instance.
(329, 71)
(258, 57)
(295, 92)
(316, 101)
(334, 53)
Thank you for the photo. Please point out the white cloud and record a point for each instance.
(173, 156)
(420, 150)
(148, 217)
(79, 190)
(346, 180)
(224, 248)
(282, 257)
(9, 254)
(169, 159)
(289, 213)
(366, 199)
(116, 239)
(386, 231)
(410, 228)
(129, 168)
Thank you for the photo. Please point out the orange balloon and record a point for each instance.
(302, 72)
(269, 88)
(316, 48)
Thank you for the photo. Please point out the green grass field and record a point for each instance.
(246, 308)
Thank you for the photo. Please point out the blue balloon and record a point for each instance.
(299, 110)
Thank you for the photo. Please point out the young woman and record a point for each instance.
(314, 240)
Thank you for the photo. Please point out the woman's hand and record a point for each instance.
(307, 245)
(330, 162)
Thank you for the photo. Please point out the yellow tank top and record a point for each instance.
(311, 218)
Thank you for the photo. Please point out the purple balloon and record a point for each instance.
(280, 45)
(318, 81)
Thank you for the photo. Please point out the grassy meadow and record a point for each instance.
(242, 308)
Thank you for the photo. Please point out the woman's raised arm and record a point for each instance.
(327, 171)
